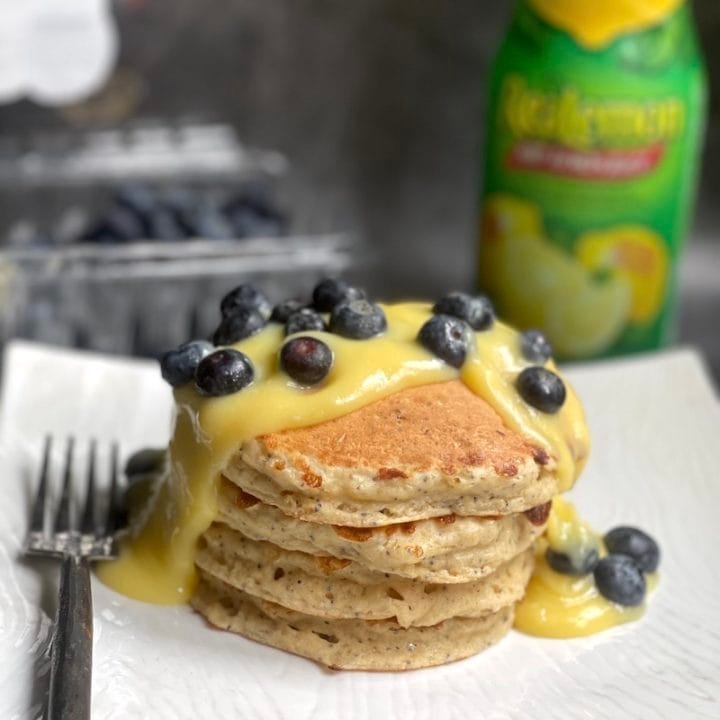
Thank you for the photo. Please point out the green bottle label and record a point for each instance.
(590, 172)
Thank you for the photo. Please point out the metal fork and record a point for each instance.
(71, 669)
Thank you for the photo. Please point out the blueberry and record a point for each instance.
(635, 543)
(303, 320)
(100, 234)
(145, 461)
(535, 347)
(256, 197)
(180, 200)
(163, 225)
(178, 366)
(306, 360)
(206, 221)
(357, 319)
(139, 198)
(253, 213)
(572, 563)
(139, 490)
(447, 337)
(282, 311)
(541, 388)
(620, 579)
(477, 311)
(246, 223)
(223, 372)
(330, 292)
(243, 323)
(119, 224)
(243, 297)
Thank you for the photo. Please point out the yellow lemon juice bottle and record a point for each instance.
(595, 119)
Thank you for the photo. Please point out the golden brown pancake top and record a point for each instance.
(442, 426)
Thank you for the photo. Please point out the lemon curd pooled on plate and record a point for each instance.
(374, 486)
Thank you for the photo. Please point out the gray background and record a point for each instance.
(379, 106)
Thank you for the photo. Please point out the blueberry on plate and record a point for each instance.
(178, 366)
(303, 320)
(635, 543)
(476, 310)
(224, 372)
(541, 388)
(620, 579)
(243, 323)
(535, 347)
(358, 320)
(283, 310)
(331, 292)
(306, 360)
(447, 337)
(572, 563)
(243, 297)
(145, 461)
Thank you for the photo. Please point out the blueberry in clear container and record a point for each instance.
(209, 223)
(135, 196)
(163, 225)
(252, 213)
(118, 225)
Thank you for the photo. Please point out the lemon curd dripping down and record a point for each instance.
(156, 562)
(564, 606)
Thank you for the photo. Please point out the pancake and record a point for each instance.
(400, 525)
(448, 549)
(366, 495)
(423, 452)
(347, 644)
(328, 588)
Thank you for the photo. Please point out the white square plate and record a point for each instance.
(655, 423)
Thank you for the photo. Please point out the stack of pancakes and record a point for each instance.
(396, 536)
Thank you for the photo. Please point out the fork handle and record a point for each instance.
(71, 673)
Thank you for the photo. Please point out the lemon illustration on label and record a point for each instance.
(590, 320)
(540, 285)
(635, 253)
(509, 216)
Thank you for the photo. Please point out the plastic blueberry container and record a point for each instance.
(144, 298)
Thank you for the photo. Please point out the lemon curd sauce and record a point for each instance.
(156, 559)
(562, 606)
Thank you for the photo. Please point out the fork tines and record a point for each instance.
(91, 539)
